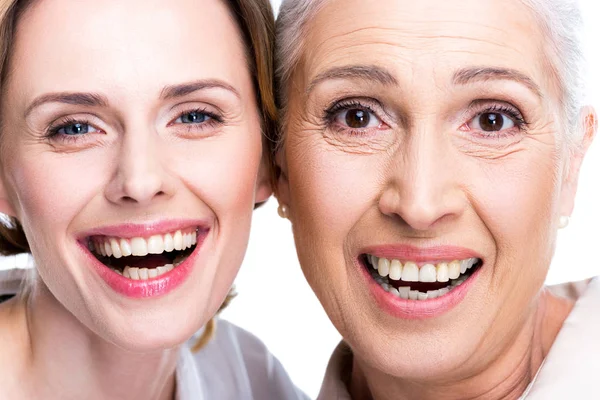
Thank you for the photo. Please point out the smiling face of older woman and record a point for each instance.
(425, 167)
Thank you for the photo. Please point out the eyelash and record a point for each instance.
(52, 132)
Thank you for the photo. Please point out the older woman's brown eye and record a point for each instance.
(492, 122)
(357, 118)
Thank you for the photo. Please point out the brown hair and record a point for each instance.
(256, 23)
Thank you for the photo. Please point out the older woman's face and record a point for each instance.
(131, 126)
(428, 134)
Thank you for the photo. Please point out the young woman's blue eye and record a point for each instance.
(74, 129)
(193, 117)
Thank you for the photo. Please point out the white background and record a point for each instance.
(277, 305)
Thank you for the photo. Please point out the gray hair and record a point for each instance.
(560, 20)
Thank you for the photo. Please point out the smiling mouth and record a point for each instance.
(408, 280)
(142, 258)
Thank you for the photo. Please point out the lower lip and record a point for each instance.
(153, 287)
(418, 309)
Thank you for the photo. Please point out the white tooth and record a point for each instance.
(139, 247)
(374, 262)
(134, 273)
(169, 267)
(188, 239)
(395, 292)
(443, 292)
(168, 242)
(125, 247)
(428, 273)
(454, 270)
(161, 270)
(404, 291)
(422, 296)
(152, 273)
(433, 294)
(386, 286)
(156, 245)
(107, 248)
(383, 267)
(178, 240)
(194, 238)
(464, 265)
(413, 294)
(442, 272)
(126, 272)
(472, 262)
(143, 273)
(410, 272)
(116, 249)
(395, 270)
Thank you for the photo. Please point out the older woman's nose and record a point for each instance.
(423, 188)
(140, 176)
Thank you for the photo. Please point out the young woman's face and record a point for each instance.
(131, 150)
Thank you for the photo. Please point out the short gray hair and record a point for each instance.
(560, 20)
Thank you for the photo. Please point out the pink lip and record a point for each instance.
(417, 309)
(153, 287)
(421, 255)
(147, 229)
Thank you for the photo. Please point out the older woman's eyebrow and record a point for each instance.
(74, 98)
(365, 72)
(466, 76)
(180, 90)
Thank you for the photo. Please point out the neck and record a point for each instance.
(58, 357)
(505, 377)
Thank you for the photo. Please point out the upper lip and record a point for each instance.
(145, 229)
(421, 254)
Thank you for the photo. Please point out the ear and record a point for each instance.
(263, 189)
(589, 124)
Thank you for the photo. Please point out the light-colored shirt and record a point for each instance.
(234, 365)
(571, 369)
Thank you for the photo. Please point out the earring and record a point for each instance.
(283, 211)
(563, 222)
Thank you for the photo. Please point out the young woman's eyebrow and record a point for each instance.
(183, 89)
(74, 98)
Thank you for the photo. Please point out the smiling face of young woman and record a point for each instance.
(424, 169)
(131, 148)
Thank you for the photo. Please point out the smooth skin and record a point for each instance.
(164, 126)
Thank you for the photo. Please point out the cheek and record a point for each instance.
(51, 190)
(516, 201)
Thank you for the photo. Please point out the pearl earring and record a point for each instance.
(563, 222)
(283, 211)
